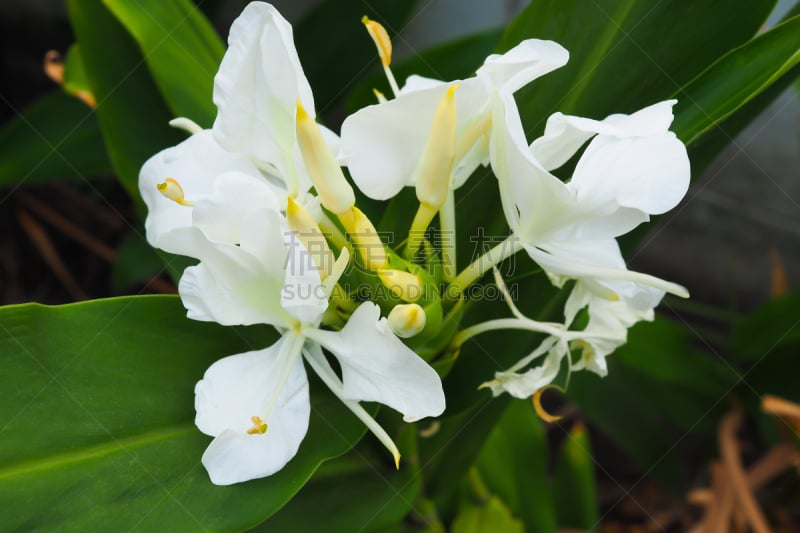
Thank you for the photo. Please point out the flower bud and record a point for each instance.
(404, 285)
(323, 169)
(364, 234)
(406, 320)
(305, 227)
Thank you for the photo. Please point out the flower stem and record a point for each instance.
(447, 225)
(481, 265)
(550, 328)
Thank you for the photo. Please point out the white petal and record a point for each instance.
(232, 286)
(535, 202)
(303, 294)
(238, 387)
(377, 366)
(650, 174)
(565, 134)
(526, 384)
(194, 164)
(236, 195)
(382, 143)
(256, 92)
(419, 83)
(522, 64)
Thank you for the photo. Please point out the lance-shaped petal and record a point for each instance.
(383, 143)
(231, 400)
(336, 194)
(432, 176)
(377, 366)
(192, 166)
(256, 91)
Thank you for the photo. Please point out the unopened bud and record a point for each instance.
(323, 169)
(404, 285)
(305, 227)
(364, 234)
(406, 320)
(436, 163)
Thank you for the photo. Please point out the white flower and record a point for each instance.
(632, 168)
(254, 270)
(383, 143)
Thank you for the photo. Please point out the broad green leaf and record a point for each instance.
(133, 117)
(336, 50)
(365, 483)
(97, 421)
(626, 54)
(493, 516)
(56, 137)
(182, 51)
(735, 79)
(513, 464)
(574, 483)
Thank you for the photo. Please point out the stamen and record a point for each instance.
(379, 95)
(384, 46)
(171, 189)
(381, 38)
(259, 426)
(537, 404)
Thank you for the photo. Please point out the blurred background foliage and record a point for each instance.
(696, 424)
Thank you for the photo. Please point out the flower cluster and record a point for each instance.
(262, 202)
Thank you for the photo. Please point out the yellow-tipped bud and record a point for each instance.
(407, 320)
(305, 227)
(381, 38)
(404, 285)
(326, 174)
(171, 189)
(436, 163)
(364, 234)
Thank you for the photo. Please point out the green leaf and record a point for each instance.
(132, 115)
(491, 517)
(513, 464)
(735, 79)
(626, 54)
(56, 137)
(366, 484)
(182, 51)
(75, 81)
(97, 421)
(574, 485)
(336, 50)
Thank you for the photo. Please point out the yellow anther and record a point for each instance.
(381, 38)
(404, 285)
(171, 189)
(323, 169)
(537, 404)
(305, 227)
(406, 320)
(614, 297)
(259, 426)
(379, 95)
